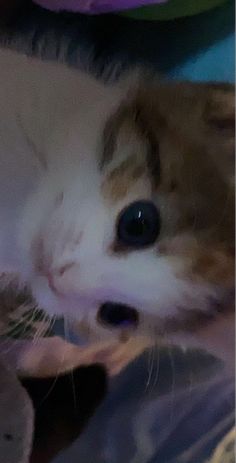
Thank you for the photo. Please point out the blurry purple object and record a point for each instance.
(95, 6)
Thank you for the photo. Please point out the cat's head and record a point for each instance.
(133, 229)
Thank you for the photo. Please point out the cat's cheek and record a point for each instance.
(45, 298)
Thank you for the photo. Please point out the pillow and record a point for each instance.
(95, 6)
(138, 9)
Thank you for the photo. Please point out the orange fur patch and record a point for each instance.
(117, 184)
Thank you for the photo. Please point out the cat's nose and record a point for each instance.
(118, 315)
(52, 282)
(57, 278)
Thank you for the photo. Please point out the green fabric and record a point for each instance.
(173, 9)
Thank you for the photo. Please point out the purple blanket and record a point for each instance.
(95, 6)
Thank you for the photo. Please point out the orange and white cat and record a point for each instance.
(117, 207)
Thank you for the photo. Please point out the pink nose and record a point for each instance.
(55, 278)
(52, 283)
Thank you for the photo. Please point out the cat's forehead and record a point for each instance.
(130, 151)
(162, 132)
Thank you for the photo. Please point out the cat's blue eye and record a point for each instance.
(138, 224)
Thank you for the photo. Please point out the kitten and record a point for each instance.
(117, 202)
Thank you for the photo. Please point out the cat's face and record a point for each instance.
(137, 235)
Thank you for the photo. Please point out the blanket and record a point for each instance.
(16, 419)
(139, 9)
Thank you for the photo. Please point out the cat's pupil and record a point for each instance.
(138, 224)
(137, 227)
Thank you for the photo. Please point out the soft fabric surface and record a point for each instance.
(138, 9)
(167, 407)
(16, 423)
(94, 6)
(173, 9)
(224, 452)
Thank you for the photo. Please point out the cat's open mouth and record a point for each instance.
(118, 315)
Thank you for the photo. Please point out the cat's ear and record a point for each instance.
(219, 117)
